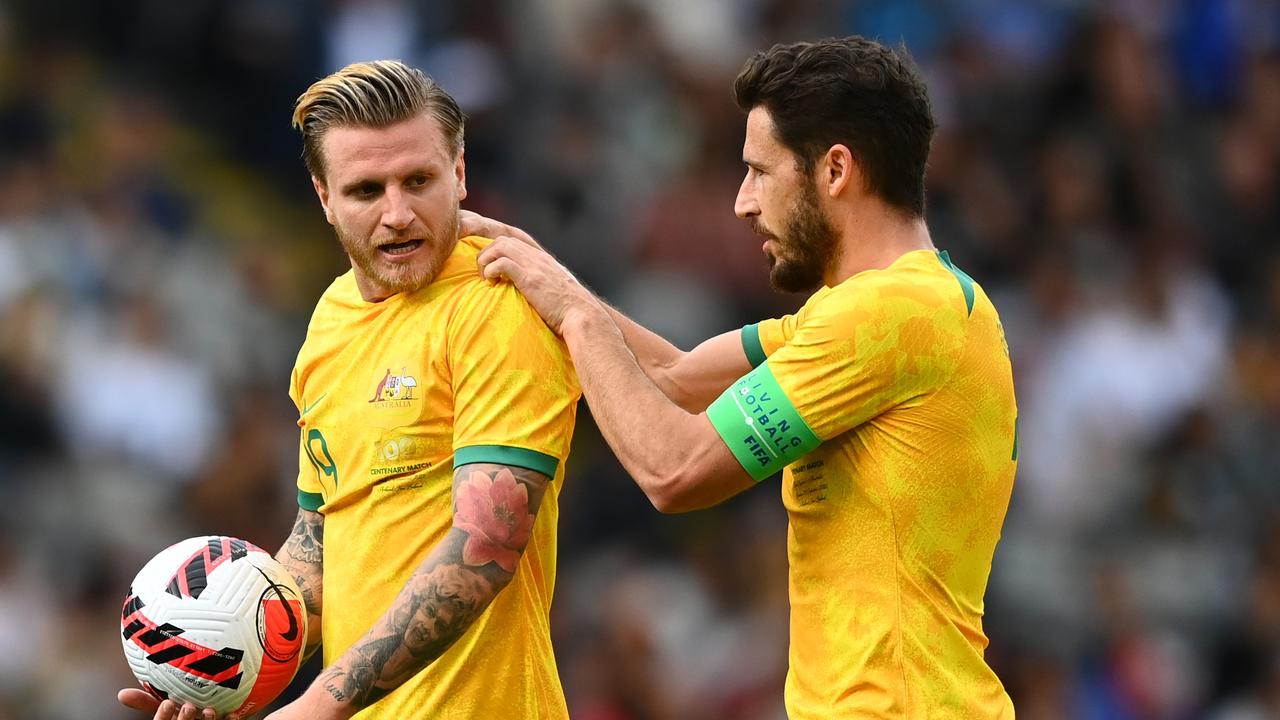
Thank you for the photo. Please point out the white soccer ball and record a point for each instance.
(214, 621)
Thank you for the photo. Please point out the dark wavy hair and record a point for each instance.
(851, 91)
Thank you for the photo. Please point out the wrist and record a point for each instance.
(328, 696)
(582, 319)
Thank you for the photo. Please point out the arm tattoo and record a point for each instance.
(306, 542)
(303, 557)
(494, 509)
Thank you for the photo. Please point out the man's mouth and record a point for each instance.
(400, 248)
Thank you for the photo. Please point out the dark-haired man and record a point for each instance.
(888, 398)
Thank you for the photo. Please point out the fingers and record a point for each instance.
(531, 264)
(136, 699)
(170, 710)
(522, 236)
(488, 255)
(143, 701)
(473, 224)
(503, 250)
(476, 224)
(501, 268)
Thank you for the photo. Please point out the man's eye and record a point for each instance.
(418, 180)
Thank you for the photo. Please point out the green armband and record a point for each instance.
(760, 425)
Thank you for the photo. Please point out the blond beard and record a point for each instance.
(408, 278)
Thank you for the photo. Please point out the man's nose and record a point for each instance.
(745, 206)
(397, 214)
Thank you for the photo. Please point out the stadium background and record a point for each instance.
(1109, 171)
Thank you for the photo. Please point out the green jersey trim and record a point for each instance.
(310, 501)
(966, 282)
(761, 426)
(751, 344)
(504, 455)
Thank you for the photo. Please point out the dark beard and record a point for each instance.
(807, 246)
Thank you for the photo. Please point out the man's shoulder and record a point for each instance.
(461, 266)
(476, 293)
(335, 302)
(460, 278)
(342, 291)
(919, 285)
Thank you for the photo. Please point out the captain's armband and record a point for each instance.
(760, 425)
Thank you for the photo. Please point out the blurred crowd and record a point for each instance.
(1108, 170)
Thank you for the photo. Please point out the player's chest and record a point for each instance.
(377, 411)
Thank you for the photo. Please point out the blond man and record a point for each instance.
(436, 411)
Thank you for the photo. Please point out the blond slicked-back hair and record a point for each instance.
(371, 94)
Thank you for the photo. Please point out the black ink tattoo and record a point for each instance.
(303, 557)
(306, 542)
(452, 587)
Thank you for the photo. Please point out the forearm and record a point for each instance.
(620, 396)
(653, 353)
(302, 556)
(440, 601)
(691, 379)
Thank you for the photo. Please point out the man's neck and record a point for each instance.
(873, 239)
(370, 291)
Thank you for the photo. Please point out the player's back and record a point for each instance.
(904, 375)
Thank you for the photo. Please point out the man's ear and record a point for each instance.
(838, 171)
(322, 192)
(460, 172)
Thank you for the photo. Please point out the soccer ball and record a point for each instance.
(214, 621)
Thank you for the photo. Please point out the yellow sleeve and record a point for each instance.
(515, 391)
(314, 461)
(765, 337)
(857, 355)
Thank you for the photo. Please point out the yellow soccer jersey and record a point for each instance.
(392, 396)
(890, 399)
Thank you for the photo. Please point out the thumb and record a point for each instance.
(473, 223)
(138, 700)
(470, 223)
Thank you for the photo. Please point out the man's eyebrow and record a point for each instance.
(425, 170)
(355, 185)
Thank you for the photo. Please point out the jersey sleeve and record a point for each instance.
(848, 359)
(515, 390)
(310, 469)
(762, 339)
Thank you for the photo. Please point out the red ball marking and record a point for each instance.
(284, 634)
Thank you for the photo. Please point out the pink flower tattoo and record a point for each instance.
(494, 512)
